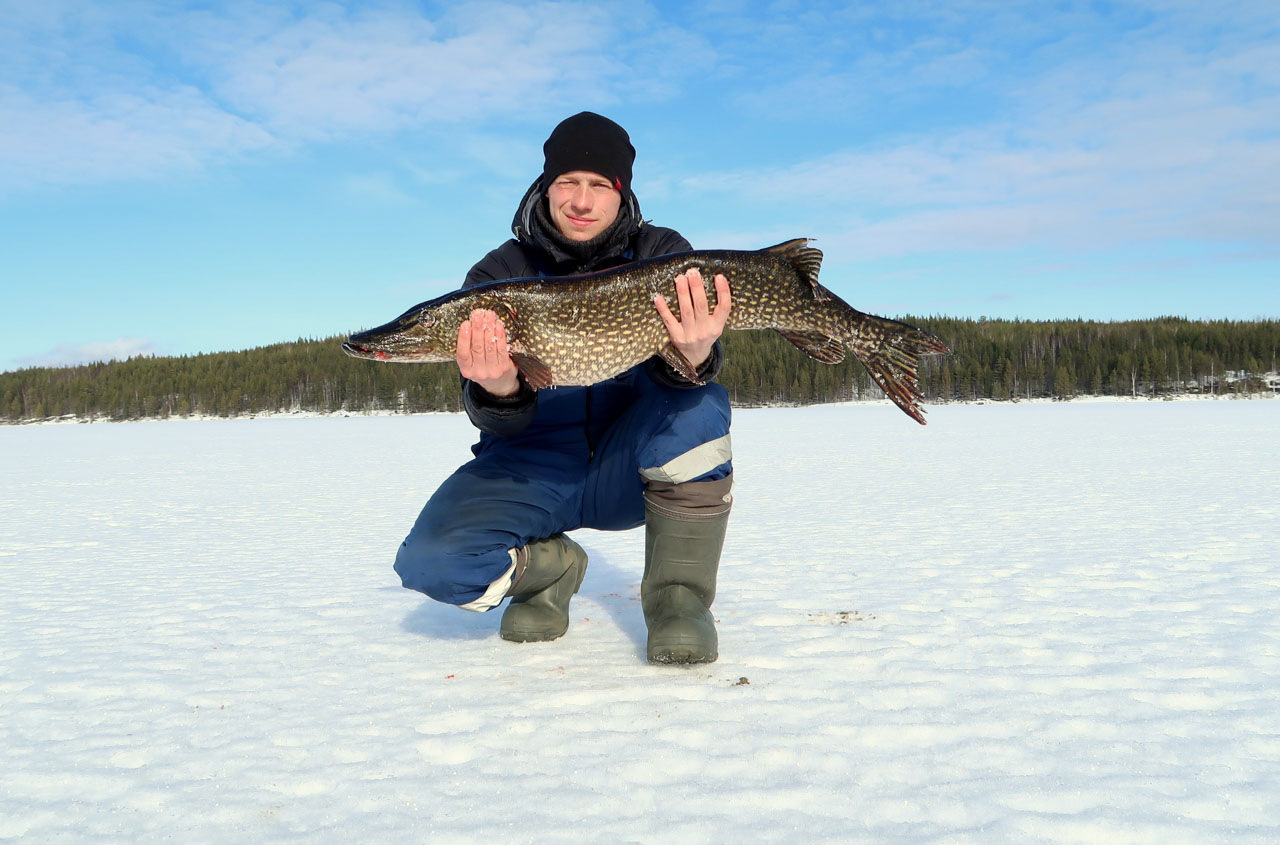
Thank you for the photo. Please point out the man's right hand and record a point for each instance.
(483, 355)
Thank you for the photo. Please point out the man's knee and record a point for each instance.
(443, 565)
(423, 565)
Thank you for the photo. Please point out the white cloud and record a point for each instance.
(1165, 142)
(1089, 126)
(116, 135)
(77, 105)
(143, 89)
(68, 354)
(337, 72)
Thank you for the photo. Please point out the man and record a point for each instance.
(645, 447)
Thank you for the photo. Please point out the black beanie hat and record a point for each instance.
(589, 142)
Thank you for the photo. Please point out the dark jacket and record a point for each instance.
(532, 253)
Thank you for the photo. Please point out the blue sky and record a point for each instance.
(178, 179)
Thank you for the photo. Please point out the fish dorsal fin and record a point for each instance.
(806, 260)
(817, 345)
(680, 364)
(536, 374)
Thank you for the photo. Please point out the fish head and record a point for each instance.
(422, 335)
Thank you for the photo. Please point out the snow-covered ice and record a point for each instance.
(1034, 622)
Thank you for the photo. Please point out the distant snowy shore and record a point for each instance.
(1078, 400)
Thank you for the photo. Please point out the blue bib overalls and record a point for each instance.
(578, 464)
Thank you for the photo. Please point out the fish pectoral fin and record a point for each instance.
(536, 374)
(817, 345)
(507, 314)
(680, 364)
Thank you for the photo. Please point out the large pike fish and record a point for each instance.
(579, 330)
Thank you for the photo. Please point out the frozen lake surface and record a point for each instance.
(1033, 622)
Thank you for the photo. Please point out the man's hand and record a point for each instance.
(698, 327)
(483, 355)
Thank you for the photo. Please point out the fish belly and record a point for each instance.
(593, 354)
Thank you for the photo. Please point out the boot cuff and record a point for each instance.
(690, 499)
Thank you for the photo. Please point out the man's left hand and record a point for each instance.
(699, 326)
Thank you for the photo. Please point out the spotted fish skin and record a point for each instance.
(580, 330)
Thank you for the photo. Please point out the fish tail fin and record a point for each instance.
(891, 351)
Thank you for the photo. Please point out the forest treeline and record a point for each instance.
(991, 359)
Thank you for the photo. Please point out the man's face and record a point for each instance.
(583, 204)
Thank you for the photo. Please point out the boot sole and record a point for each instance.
(680, 657)
(681, 651)
(530, 636)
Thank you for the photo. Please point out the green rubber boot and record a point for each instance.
(548, 573)
(684, 534)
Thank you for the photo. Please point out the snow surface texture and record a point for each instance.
(1022, 623)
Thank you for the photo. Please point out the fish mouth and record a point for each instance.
(359, 350)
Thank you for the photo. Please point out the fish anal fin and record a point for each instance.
(536, 374)
(817, 345)
(806, 260)
(679, 363)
